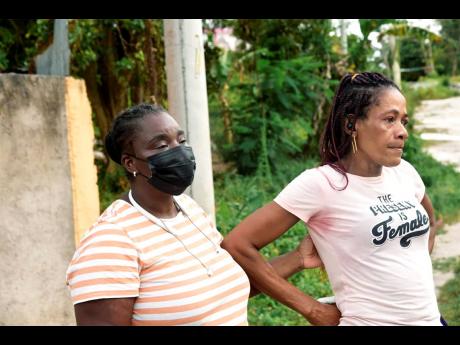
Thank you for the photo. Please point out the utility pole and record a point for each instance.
(395, 67)
(188, 100)
(343, 36)
(56, 59)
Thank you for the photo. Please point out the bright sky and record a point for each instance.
(353, 28)
(353, 25)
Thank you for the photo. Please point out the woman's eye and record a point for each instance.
(390, 119)
(405, 122)
(162, 146)
(183, 141)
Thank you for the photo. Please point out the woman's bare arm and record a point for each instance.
(244, 242)
(105, 312)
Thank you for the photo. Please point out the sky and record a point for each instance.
(353, 27)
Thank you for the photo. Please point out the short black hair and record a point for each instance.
(125, 126)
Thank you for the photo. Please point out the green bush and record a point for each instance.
(449, 299)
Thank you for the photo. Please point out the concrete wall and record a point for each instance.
(41, 130)
(80, 138)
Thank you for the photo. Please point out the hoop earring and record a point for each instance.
(353, 143)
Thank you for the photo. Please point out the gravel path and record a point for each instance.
(439, 122)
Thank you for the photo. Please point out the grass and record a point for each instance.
(446, 264)
(449, 298)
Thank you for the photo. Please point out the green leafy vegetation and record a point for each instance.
(268, 103)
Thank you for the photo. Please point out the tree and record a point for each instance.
(450, 31)
(393, 34)
(277, 87)
(121, 61)
(413, 58)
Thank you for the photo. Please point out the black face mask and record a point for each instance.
(172, 170)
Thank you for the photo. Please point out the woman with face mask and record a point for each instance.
(367, 212)
(154, 257)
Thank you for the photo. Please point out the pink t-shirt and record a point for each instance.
(373, 240)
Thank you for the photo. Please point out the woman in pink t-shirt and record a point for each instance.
(367, 212)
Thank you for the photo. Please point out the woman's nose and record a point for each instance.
(402, 132)
(174, 143)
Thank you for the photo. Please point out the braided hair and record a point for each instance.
(124, 129)
(355, 95)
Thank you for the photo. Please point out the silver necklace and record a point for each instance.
(209, 271)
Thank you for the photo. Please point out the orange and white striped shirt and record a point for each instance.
(125, 254)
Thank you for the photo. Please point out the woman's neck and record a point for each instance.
(356, 165)
(160, 204)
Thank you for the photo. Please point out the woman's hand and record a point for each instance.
(308, 254)
(325, 315)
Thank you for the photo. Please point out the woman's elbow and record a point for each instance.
(229, 244)
(237, 247)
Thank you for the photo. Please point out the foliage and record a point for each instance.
(268, 101)
(447, 52)
(449, 299)
(236, 197)
(276, 107)
(360, 51)
(21, 40)
(446, 264)
(412, 57)
(277, 86)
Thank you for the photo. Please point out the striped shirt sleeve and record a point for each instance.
(105, 265)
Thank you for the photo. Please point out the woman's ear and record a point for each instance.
(349, 124)
(127, 162)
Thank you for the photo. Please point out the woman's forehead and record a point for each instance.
(391, 95)
(390, 98)
(155, 124)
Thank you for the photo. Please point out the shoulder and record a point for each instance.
(313, 174)
(406, 168)
(188, 203)
(405, 165)
(309, 183)
(320, 178)
(110, 224)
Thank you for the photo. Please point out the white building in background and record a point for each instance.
(224, 39)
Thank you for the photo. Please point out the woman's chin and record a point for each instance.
(392, 162)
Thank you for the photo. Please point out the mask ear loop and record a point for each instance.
(143, 160)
